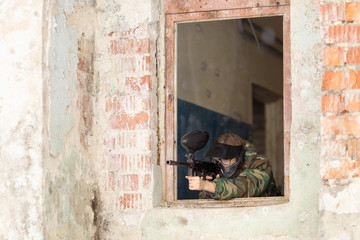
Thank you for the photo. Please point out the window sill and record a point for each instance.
(238, 202)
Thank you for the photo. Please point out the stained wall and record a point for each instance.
(21, 114)
(82, 123)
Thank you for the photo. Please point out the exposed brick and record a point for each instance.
(352, 11)
(138, 84)
(125, 182)
(332, 12)
(336, 103)
(333, 103)
(333, 56)
(139, 140)
(128, 182)
(139, 32)
(352, 151)
(353, 56)
(132, 64)
(341, 80)
(333, 149)
(128, 103)
(342, 34)
(129, 162)
(87, 119)
(86, 103)
(85, 54)
(129, 201)
(85, 85)
(111, 181)
(340, 149)
(147, 181)
(84, 141)
(341, 125)
(84, 64)
(130, 121)
(129, 46)
(146, 63)
(352, 102)
(340, 169)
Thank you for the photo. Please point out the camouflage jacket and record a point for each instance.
(255, 179)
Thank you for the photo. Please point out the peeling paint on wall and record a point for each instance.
(63, 189)
(72, 200)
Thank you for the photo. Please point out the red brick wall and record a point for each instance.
(340, 146)
(85, 76)
(131, 111)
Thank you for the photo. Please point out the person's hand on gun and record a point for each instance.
(196, 183)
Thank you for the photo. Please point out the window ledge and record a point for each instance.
(238, 202)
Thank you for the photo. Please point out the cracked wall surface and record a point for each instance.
(72, 205)
(82, 126)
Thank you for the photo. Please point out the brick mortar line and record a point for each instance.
(350, 114)
(130, 55)
(345, 45)
(117, 131)
(339, 23)
(131, 112)
(340, 137)
(130, 37)
(341, 92)
(341, 68)
(329, 2)
(349, 159)
(135, 93)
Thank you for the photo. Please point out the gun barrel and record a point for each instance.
(175, 163)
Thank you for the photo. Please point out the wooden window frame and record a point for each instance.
(209, 10)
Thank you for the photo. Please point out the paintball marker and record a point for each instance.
(193, 141)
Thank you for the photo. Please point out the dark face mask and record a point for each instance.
(224, 151)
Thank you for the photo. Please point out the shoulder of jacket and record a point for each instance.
(252, 158)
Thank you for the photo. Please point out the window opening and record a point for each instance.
(230, 79)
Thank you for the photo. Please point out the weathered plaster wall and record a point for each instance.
(297, 219)
(129, 182)
(21, 120)
(72, 202)
(78, 121)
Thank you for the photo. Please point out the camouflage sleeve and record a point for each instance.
(249, 183)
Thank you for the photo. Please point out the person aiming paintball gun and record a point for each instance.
(242, 172)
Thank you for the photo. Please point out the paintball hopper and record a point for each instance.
(194, 140)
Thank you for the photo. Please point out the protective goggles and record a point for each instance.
(220, 151)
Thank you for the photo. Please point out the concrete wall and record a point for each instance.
(298, 219)
(82, 137)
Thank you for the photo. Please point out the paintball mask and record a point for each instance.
(224, 151)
